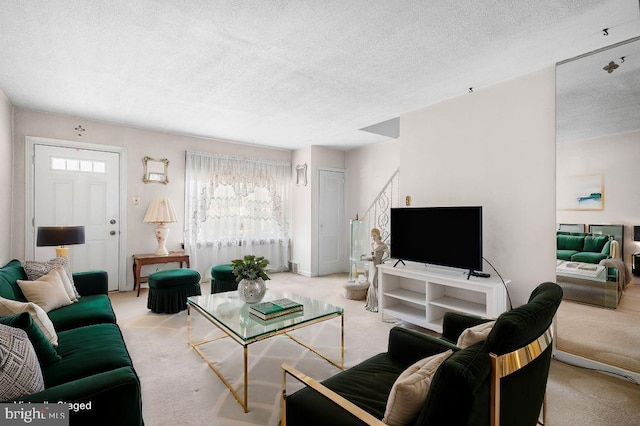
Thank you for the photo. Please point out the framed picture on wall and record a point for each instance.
(580, 192)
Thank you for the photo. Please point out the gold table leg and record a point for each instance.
(244, 402)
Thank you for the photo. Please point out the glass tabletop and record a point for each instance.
(229, 311)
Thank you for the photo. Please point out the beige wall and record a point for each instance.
(305, 206)
(616, 159)
(494, 147)
(301, 213)
(6, 169)
(138, 143)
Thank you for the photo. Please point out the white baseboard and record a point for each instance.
(579, 361)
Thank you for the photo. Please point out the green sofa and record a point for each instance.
(580, 247)
(90, 368)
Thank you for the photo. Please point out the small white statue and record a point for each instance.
(378, 251)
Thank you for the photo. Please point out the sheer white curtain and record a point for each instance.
(236, 206)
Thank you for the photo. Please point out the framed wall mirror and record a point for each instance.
(155, 171)
(598, 133)
(301, 174)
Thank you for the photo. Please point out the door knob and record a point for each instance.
(112, 221)
(112, 233)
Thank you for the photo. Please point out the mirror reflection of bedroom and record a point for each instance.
(598, 206)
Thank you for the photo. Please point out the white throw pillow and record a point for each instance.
(68, 287)
(36, 269)
(40, 318)
(410, 390)
(20, 372)
(475, 334)
(47, 291)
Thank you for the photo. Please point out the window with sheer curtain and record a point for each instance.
(236, 206)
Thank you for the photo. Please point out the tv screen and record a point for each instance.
(445, 236)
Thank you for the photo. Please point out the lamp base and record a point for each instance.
(161, 232)
(62, 251)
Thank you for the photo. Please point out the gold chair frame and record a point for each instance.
(324, 391)
(504, 365)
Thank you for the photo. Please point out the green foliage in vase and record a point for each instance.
(250, 268)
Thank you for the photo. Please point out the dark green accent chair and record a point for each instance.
(222, 279)
(168, 290)
(461, 390)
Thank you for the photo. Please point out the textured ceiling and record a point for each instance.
(287, 74)
(592, 102)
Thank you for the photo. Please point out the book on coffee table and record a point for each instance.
(275, 308)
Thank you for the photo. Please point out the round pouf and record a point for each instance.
(168, 290)
(356, 290)
(222, 279)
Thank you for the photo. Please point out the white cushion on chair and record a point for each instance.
(410, 390)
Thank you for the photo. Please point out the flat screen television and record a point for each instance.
(444, 236)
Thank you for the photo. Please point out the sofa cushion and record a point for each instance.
(47, 291)
(45, 351)
(10, 307)
(87, 310)
(410, 390)
(565, 254)
(9, 276)
(85, 351)
(595, 243)
(20, 372)
(588, 257)
(570, 242)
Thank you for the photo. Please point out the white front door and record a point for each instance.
(80, 187)
(331, 222)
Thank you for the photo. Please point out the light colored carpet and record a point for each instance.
(178, 387)
(611, 336)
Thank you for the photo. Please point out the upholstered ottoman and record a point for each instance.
(222, 279)
(168, 290)
(356, 290)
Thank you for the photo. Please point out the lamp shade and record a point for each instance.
(59, 235)
(160, 211)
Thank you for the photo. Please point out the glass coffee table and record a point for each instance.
(231, 315)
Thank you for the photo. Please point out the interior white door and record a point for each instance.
(331, 222)
(80, 187)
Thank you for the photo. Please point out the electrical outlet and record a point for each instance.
(407, 200)
(136, 201)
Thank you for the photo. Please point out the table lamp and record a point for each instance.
(60, 236)
(160, 211)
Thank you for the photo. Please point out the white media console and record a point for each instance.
(421, 295)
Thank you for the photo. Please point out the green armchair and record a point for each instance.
(499, 381)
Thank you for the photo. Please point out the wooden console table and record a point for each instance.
(139, 260)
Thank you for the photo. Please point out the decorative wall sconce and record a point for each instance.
(155, 170)
(301, 174)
